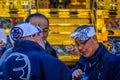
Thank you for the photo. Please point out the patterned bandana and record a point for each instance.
(22, 30)
(83, 34)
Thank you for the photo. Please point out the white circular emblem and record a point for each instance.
(16, 33)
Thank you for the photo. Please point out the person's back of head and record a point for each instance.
(24, 31)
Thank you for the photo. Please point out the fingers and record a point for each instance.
(77, 73)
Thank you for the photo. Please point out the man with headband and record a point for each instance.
(29, 60)
(96, 62)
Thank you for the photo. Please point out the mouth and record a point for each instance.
(84, 53)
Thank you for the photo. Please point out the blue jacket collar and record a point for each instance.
(27, 45)
(89, 62)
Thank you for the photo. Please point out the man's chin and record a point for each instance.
(86, 56)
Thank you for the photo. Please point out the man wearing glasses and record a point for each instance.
(43, 22)
(96, 62)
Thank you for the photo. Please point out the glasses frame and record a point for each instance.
(83, 42)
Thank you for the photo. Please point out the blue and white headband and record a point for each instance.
(22, 30)
(83, 34)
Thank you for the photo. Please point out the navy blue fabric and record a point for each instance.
(50, 50)
(118, 53)
(42, 65)
(2, 50)
(110, 69)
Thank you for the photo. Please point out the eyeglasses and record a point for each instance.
(46, 30)
(82, 43)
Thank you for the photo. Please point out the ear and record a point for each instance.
(95, 38)
(35, 38)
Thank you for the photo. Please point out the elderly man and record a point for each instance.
(40, 19)
(29, 60)
(96, 62)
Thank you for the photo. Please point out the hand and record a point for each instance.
(1, 43)
(77, 74)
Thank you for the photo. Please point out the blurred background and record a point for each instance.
(64, 16)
